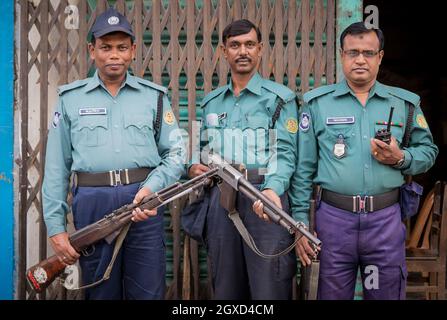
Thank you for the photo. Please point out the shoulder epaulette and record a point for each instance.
(404, 95)
(151, 84)
(318, 92)
(210, 96)
(280, 90)
(72, 85)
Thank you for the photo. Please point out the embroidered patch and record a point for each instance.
(92, 111)
(340, 120)
(305, 121)
(292, 125)
(420, 119)
(169, 117)
(56, 119)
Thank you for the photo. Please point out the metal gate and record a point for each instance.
(177, 46)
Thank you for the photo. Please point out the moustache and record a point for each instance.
(243, 59)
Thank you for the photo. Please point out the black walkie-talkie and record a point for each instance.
(385, 134)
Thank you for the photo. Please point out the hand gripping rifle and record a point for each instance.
(43, 274)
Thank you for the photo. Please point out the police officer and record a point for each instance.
(104, 131)
(236, 123)
(359, 217)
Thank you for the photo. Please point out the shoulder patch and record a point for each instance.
(211, 95)
(292, 125)
(72, 85)
(420, 120)
(318, 92)
(151, 84)
(279, 89)
(404, 95)
(304, 122)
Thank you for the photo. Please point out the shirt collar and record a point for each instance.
(377, 89)
(95, 81)
(254, 85)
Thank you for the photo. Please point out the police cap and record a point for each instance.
(111, 21)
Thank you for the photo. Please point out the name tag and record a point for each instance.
(92, 111)
(339, 120)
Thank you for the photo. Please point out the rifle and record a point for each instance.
(234, 178)
(41, 275)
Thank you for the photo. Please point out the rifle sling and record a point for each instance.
(116, 249)
(248, 239)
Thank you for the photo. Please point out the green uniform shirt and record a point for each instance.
(238, 128)
(92, 131)
(333, 112)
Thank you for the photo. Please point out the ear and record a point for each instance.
(224, 50)
(91, 50)
(261, 48)
(381, 54)
(134, 50)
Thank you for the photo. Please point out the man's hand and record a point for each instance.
(384, 153)
(197, 169)
(137, 214)
(63, 249)
(303, 250)
(258, 206)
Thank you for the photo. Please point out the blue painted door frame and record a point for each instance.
(7, 150)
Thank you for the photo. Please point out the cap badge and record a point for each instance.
(113, 20)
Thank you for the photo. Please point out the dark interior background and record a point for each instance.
(416, 59)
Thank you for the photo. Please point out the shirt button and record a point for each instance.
(114, 101)
(117, 150)
(237, 104)
(116, 126)
(365, 137)
(366, 166)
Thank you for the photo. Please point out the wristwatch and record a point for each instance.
(400, 162)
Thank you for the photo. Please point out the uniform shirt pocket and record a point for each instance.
(138, 129)
(334, 131)
(93, 129)
(255, 131)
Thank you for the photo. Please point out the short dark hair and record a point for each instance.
(239, 27)
(360, 28)
(93, 39)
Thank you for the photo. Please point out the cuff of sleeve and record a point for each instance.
(301, 217)
(407, 161)
(276, 186)
(153, 184)
(56, 229)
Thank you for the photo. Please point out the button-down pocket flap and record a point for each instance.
(257, 122)
(336, 129)
(138, 120)
(93, 121)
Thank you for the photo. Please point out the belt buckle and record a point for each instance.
(115, 177)
(363, 205)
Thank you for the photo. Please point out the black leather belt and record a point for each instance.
(111, 178)
(359, 204)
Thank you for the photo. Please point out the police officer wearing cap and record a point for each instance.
(117, 135)
(359, 216)
(253, 121)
